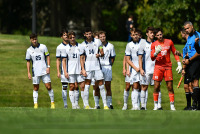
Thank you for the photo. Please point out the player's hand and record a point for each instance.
(177, 53)
(196, 40)
(179, 68)
(128, 73)
(29, 76)
(183, 72)
(124, 72)
(48, 70)
(142, 72)
(98, 55)
(59, 75)
(137, 69)
(83, 72)
(66, 75)
(186, 62)
(158, 49)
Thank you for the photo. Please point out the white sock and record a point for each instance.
(93, 94)
(51, 95)
(135, 96)
(143, 96)
(146, 98)
(132, 98)
(64, 96)
(126, 94)
(96, 100)
(86, 95)
(76, 96)
(159, 100)
(71, 97)
(109, 100)
(103, 94)
(139, 99)
(35, 96)
(82, 96)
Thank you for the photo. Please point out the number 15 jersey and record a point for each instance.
(38, 56)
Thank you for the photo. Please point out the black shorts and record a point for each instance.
(186, 76)
(194, 70)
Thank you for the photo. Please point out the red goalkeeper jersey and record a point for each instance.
(163, 58)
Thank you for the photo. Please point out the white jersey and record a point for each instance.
(148, 64)
(109, 52)
(72, 53)
(132, 51)
(38, 57)
(60, 48)
(90, 49)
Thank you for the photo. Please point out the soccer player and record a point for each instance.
(39, 55)
(193, 61)
(72, 69)
(92, 50)
(160, 51)
(132, 59)
(106, 63)
(60, 73)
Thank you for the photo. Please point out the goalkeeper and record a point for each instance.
(160, 51)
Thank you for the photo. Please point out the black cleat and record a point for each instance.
(98, 107)
(194, 107)
(160, 108)
(142, 108)
(188, 108)
(111, 107)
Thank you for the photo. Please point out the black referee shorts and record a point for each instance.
(194, 70)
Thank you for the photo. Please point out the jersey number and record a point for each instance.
(74, 55)
(91, 51)
(38, 57)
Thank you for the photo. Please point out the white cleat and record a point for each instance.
(125, 107)
(78, 107)
(173, 108)
(73, 107)
(155, 108)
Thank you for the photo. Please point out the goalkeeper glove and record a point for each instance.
(157, 50)
(179, 68)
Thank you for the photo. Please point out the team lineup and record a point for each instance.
(146, 62)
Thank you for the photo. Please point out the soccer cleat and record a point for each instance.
(106, 107)
(52, 105)
(188, 108)
(125, 107)
(160, 108)
(73, 107)
(87, 107)
(65, 106)
(135, 108)
(111, 107)
(35, 106)
(143, 108)
(172, 108)
(155, 108)
(97, 107)
(78, 107)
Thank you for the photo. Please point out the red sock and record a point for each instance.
(171, 97)
(155, 96)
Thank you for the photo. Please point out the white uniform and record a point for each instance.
(59, 50)
(38, 57)
(105, 61)
(148, 64)
(92, 64)
(132, 51)
(72, 53)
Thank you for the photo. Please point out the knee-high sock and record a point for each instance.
(86, 95)
(109, 100)
(82, 96)
(64, 96)
(72, 98)
(51, 95)
(96, 100)
(143, 98)
(155, 97)
(76, 96)
(135, 97)
(188, 98)
(35, 97)
(103, 94)
(159, 100)
(146, 98)
(126, 94)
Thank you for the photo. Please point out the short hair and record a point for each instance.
(33, 35)
(158, 30)
(88, 29)
(150, 29)
(71, 33)
(96, 33)
(63, 31)
(136, 30)
(188, 22)
(183, 30)
(102, 32)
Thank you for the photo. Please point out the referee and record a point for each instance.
(193, 61)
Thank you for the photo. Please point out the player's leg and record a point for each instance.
(188, 96)
(109, 94)
(103, 93)
(96, 95)
(171, 94)
(81, 83)
(196, 92)
(143, 96)
(135, 95)
(156, 94)
(47, 81)
(87, 87)
(64, 93)
(126, 92)
(71, 94)
(76, 95)
(36, 82)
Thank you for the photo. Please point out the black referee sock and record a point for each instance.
(188, 98)
(195, 94)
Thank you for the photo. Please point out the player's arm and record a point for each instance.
(113, 54)
(28, 64)
(101, 53)
(124, 66)
(155, 50)
(58, 67)
(173, 49)
(140, 64)
(64, 61)
(82, 61)
(187, 61)
(131, 64)
(112, 60)
(48, 64)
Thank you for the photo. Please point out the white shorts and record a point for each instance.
(135, 77)
(107, 73)
(96, 74)
(64, 79)
(76, 78)
(146, 79)
(127, 79)
(45, 78)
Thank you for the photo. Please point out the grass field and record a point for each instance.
(16, 102)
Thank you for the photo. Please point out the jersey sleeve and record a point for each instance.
(141, 48)
(58, 52)
(82, 49)
(46, 52)
(64, 53)
(173, 49)
(184, 50)
(28, 56)
(153, 51)
(112, 52)
(128, 50)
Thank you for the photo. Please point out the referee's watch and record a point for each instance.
(48, 66)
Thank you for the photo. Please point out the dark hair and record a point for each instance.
(150, 29)
(102, 32)
(183, 30)
(33, 35)
(71, 33)
(96, 33)
(88, 29)
(188, 22)
(158, 30)
(63, 31)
